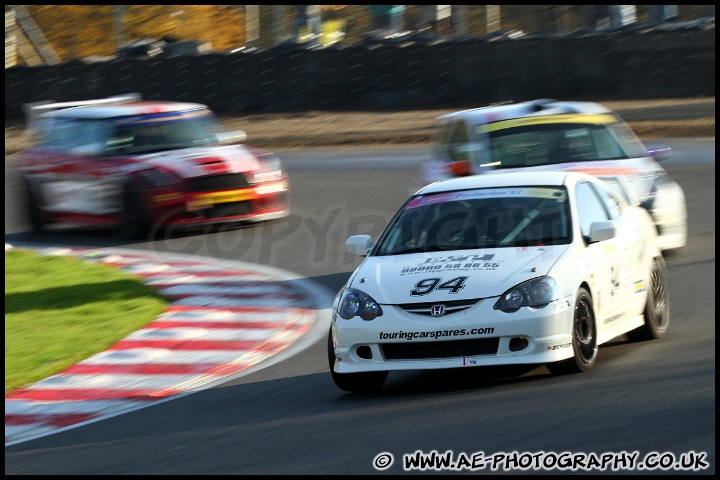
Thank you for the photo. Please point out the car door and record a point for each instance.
(602, 259)
(79, 183)
(442, 165)
(450, 146)
(631, 246)
(458, 154)
(47, 165)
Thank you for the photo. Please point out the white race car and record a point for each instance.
(548, 134)
(499, 269)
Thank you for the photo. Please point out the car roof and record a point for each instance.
(507, 111)
(123, 109)
(549, 178)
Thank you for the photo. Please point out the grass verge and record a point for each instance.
(61, 310)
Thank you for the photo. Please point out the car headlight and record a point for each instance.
(537, 292)
(355, 302)
(271, 168)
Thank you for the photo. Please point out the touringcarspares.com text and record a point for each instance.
(436, 333)
(524, 461)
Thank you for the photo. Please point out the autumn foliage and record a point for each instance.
(80, 31)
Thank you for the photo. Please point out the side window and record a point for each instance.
(72, 133)
(92, 132)
(611, 203)
(590, 207)
(57, 134)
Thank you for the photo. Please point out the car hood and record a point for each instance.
(199, 161)
(487, 272)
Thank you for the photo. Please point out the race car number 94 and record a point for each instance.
(423, 287)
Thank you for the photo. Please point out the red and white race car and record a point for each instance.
(144, 165)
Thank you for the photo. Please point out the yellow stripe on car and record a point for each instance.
(599, 119)
(167, 197)
(208, 199)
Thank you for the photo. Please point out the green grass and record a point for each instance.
(61, 310)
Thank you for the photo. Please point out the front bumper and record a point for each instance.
(478, 336)
(250, 204)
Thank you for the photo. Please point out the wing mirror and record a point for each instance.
(600, 231)
(659, 153)
(359, 245)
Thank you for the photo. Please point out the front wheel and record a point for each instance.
(584, 338)
(362, 382)
(657, 306)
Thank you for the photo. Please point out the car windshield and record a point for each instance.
(156, 133)
(548, 143)
(482, 218)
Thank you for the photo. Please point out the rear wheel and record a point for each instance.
(362, 382)
(584, 338)
(657, 307)
(135, 216)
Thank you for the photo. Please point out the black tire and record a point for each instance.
(33, 210)
(657, 307)
(135, 221)
(163, 229)
(363, 382)
(584, 338)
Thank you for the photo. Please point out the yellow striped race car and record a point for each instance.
(552, 135)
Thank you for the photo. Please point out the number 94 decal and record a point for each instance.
(423, 287)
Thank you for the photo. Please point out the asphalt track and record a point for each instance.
(288, 418)
(224, 318)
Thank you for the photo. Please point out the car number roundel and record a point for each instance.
(424, 287)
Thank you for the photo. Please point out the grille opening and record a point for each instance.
(518, 343)
(210, 183)
(450, 307)
(228, 209)
(364, 352)
(450, 349)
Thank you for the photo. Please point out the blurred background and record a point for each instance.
(51, 34)
(284, 58)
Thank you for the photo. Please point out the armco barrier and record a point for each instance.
(471, 71)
